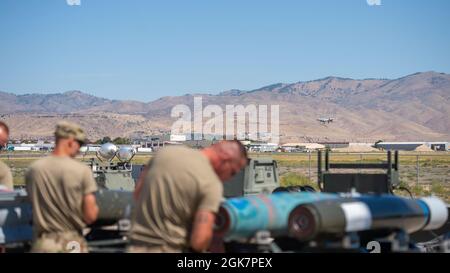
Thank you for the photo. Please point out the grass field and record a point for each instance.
(422, 173)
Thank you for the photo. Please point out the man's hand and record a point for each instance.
(90, 209)
(202, 231)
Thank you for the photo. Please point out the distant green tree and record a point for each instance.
(105, 140)
(296, 179)
(121, 141)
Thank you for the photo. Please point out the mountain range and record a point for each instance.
(412, 108)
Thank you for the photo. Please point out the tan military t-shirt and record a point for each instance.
(179, 182)
(6, 178)
(56, 186)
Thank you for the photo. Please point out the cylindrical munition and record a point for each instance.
(408, 214)
(438, 212)
(385, 212)
(16, 213)
(243, 217)
(328, 217)
(15, 217)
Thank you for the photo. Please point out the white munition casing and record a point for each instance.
(438, 212)
(357, 216)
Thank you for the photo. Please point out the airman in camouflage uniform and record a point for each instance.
(6, 179)
(61, 190)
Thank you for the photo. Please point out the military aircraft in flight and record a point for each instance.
(325, 120)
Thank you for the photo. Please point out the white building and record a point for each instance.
(263, 147)
(411, 146)
(144, 150)
(298, 147)
(174, 137)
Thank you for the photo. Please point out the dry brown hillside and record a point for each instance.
(415, 107)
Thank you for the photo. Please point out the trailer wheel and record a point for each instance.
(280, 189)
(309, 189)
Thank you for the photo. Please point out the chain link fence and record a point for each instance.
(421, 173)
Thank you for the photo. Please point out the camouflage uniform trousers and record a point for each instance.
(60, 242)
(141, 248)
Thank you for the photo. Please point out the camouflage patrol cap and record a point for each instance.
(65, 129)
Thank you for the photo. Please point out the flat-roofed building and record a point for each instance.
(299, 147)
(411, 146)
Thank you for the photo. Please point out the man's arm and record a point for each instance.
(6, 178)
(202, 231)
(90, 208)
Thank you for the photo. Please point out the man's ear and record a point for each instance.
(71, 143)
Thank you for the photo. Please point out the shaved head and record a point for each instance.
(232, 148)
(227, 158)
(4, 134)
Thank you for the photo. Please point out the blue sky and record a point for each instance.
(144, 49)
